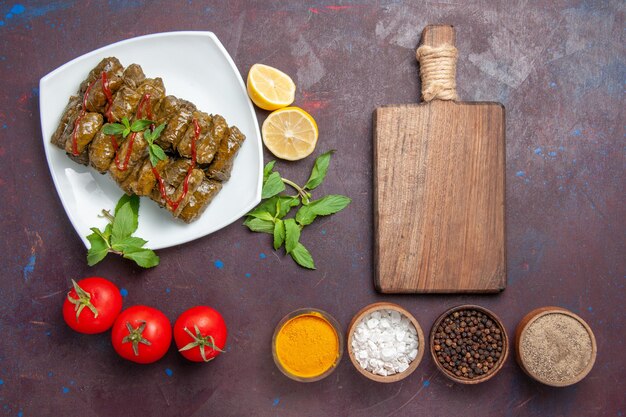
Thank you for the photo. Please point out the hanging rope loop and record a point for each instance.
(438, 72)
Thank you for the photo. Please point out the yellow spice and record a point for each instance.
(307, 345)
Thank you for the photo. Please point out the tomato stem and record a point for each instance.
(135, 336)
(200, 341)
(83, 300)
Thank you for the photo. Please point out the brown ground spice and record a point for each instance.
(556, 348)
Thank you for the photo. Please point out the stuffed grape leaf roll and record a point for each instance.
(222, 164)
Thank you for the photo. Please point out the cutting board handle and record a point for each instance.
(437, 56)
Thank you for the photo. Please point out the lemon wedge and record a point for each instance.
(270, 88)
(290, 133)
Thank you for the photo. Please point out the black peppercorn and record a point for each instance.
(468, 344)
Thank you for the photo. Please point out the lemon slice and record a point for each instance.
(269, 88)
(290, 133)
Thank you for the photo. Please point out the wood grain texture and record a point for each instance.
(437, 35)
(439, 193)
(439, 197)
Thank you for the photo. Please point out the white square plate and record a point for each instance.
(194, 66)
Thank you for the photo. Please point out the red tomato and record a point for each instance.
(92, 305)
(200, 334)
(141, 334)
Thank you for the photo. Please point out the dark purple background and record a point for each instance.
(557, 66)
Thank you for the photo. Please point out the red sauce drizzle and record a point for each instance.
(107, 92)
(131, 142)
(174, 204)
(144, 100)
(83, 110)
(115, 146)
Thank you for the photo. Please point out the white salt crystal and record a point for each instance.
(387, 354)
(400, 335)
(386, 337)
(372, 345)
(395, 317)
(385, 342)
(372, 323)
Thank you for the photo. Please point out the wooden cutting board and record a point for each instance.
(439, 193)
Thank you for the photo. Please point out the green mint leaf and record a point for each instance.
(126, 132)
(158, 151)
(278, 206)
(259, 225)
(272, 186)
(134, 205)
(320, 168)
(117, 236)
(126, 123)
(124, 224)
(270, 205)
(329, 204)
(279, 234)
(292, 234)
(129, 244)
(302, 256)
(286, 204)
(132, 199)
(107, 232)
(113, 129)
(153, 159)
(99, 248)
(156, 154)
(325, 206)
(268, 170)
(141, 124)
(157, 131)
(103, 235)
(144, 257)
(261, 214)
(305, 215)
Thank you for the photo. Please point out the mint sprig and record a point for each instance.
(117, 236)
(270, 215)
(155, 151)
(150, 133)
(125, 127)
